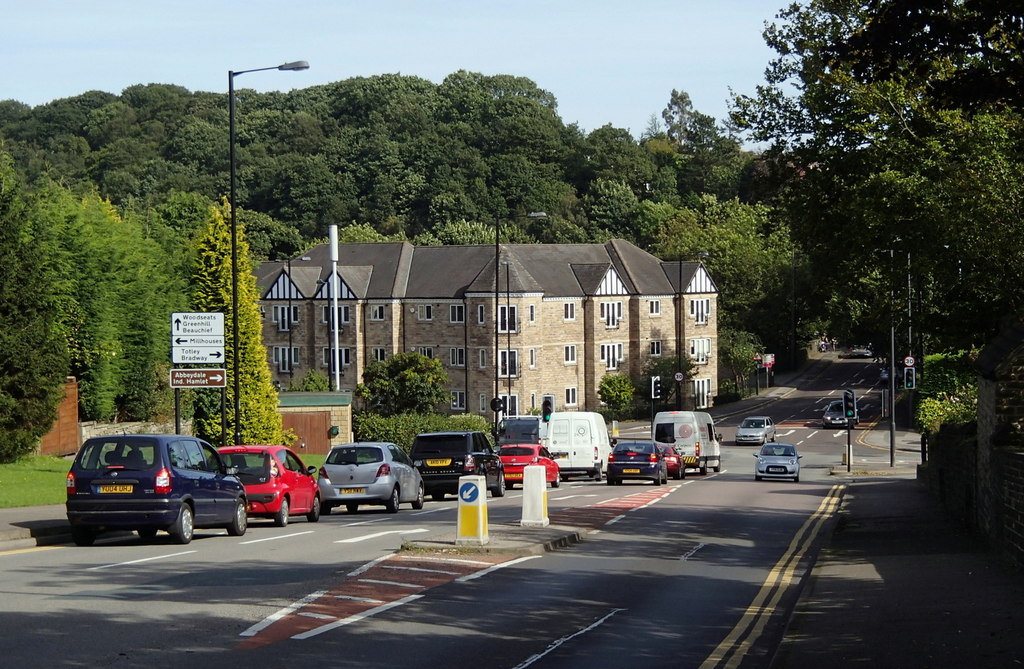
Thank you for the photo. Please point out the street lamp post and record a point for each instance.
(295, 65)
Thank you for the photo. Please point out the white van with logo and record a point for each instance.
(693, 435)
(578, 442)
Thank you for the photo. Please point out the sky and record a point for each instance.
(606, 62)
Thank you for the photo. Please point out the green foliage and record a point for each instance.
(947, 391)
(736, 350)
(404, 383)
(33, 480)
(401, 428)
(666, 368)
(617, 392)
(315, 381)
(933, 412)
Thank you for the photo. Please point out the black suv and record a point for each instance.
(442, 457)
(151, 482)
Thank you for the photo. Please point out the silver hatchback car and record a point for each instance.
(369, 473)
(777, 461)
(755, 430)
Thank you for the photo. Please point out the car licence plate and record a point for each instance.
(630, 471)
(776, 470)
(438, 462)
(353, 491)
(513, 476)
(115, 488)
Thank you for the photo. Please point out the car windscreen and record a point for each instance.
(440, 445)
(752, 422)
(354, 455)
(101, 453)
(779, 450)
(517, 450)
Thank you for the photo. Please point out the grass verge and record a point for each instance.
(33, 480)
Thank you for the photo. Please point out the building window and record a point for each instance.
(285, 316)
(533, 358)
(457, 357)
(570, 397)
(508, 318)
(569, 311)
(482, 357)
(458, 399)
(284, 361)
(570, 354)
(655, 306)
(377, 312)
(343, 309)
(425, 312)
(611, 355)
(480, 314)
(533, 313)
(700, 350)
(426, 351)
(611, 314)
(508, 363)
(457, 313)
(656, 348)
(344, 357)
(702, 392)
(511, 404)
(484, 406)
(379, 353)
(700, 310)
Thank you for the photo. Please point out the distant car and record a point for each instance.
(834, 416)
(777, 461)
(444, 457)
(151, 482)
(673, 462)
(755, 430)
(369, 473)
(277, 483)
(637, 460)
(861, 351)
(516, 457)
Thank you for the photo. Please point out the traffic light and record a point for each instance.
(547, 406)
(849, 405)
(655, 387)
(909, 378)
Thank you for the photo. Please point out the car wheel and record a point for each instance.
(499, 489)
(351, 508)
(281, 517)
(182, 529)
(240, 521)
(146, 533)
(418, 502)
(83, 536)
(556, 482)
(391, 505)
(314, 513)
(437, 496)
(597, 472)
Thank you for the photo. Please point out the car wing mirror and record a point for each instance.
(311, 470)
(231, 470)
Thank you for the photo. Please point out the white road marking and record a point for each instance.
(561, 499)
(365, 600)
(484, 572)
(420, 569)
(530, 660)
(356, 618)
(690, 554)
(281, 613)
(283, 536)
(399, 584)
(379, 534)
(149, 559)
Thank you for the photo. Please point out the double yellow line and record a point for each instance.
(751, 625)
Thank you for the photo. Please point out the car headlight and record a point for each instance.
(760, 461)
(792, 462)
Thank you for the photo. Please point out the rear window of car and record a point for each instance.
(517, 450)
(634, 447)
(118, 453)
(253, 466)
(441, 444)
(354, 455)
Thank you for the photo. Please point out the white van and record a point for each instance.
(694, 437)
(578, 442)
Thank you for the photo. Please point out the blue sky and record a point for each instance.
(605, 62)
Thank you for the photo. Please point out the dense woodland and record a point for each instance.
(891, 183)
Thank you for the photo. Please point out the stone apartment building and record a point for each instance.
(565, 316)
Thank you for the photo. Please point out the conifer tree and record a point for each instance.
(210, 291)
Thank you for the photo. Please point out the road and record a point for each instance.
(703, 572)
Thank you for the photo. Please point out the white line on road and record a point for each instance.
(379, 534)
(149, 559)
(530, 660)
(281, 613)
(484, 572)
(561, 499)
(283, 536)
(356, 618)
(690, 554)
(422, 513)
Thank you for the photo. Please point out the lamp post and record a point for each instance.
(295, 65)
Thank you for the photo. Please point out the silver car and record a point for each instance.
(369, 473)
(777, 461)
(755, 430)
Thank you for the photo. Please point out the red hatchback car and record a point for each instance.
(277, 483)
(517, 456)
(673, 462)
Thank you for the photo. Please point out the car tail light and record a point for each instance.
(323, 474)
(384, 470)
(653, 457)
(163, 482)
(470, 463)
(611, 457)
(70, 483)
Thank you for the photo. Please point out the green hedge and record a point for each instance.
(402, 428)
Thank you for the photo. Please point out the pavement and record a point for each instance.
(894, 584)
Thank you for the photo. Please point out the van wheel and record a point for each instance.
(718, 465)
(182, 529)
(239, 521)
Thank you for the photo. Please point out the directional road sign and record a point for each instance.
(197, 323)
(197, 338)
(198, 378)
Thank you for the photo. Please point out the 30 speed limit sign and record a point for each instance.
(908, 361)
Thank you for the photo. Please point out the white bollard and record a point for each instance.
(535, 497)
(472, 522)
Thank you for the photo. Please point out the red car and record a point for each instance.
(276, 482)
(674, 463)
(517, 456)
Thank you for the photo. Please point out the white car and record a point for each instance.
(777, 461)
(755, 430)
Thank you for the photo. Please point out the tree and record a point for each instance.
(404, 383)
(210, 290)
(33, 358)
(616, 391)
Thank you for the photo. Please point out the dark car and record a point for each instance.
(443, 457)
(834, 416)
(277, 483)
(151, 482)
(637, 460)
